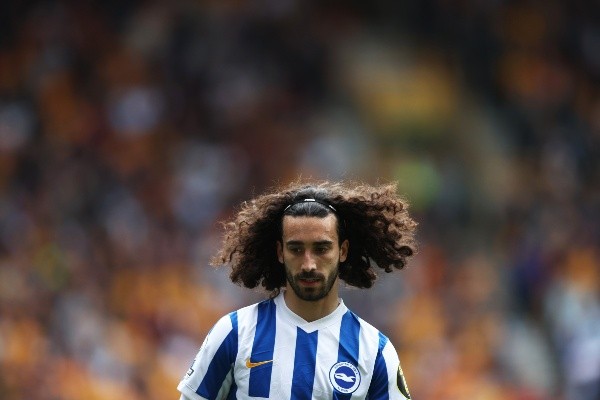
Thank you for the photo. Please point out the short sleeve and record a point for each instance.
(210, 376)
(388, 379)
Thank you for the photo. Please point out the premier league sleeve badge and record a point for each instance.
(401, 382)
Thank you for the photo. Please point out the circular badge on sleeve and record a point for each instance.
(344, 377)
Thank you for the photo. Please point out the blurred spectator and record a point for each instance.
(127, 129)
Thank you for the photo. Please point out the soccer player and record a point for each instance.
(302, 342)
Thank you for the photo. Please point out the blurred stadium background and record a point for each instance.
(129, 128)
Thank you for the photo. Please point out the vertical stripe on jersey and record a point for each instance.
(232, 390)
(348, 347)
(379, 384)
(304, 364)
(262, 350)
(221, 363)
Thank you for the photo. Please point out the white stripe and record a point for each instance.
(327, 355)
(368, 347)
(246, 330)
(284, 352)
(392, 362)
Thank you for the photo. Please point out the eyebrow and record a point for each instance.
(298, 242)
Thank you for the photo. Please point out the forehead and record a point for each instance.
(310, 229)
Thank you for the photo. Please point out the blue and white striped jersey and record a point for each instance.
(266, 351)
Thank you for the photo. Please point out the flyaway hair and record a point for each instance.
(374, 219)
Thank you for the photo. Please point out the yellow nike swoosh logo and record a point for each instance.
(250, 364)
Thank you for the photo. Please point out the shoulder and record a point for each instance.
(378, 345)
(254, 307)
(245, 311)
(371, 340)
(246, 317)
(370, 331)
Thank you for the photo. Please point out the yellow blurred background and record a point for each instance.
(128, 129)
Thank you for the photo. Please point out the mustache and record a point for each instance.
(309, 275)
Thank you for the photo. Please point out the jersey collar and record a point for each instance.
(288, 315)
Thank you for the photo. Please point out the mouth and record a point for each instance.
(309, 281)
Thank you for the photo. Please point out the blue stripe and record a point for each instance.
(262, 350)
(221, 363)
(304, 364)
(349, 346)
(379, 384)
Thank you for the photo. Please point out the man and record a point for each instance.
(303, 343)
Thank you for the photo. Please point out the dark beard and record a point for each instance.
(311, 294)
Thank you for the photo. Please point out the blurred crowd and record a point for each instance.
(128, 129)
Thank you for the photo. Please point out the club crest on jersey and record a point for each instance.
(344, 377)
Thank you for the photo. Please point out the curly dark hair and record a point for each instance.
(374, 219)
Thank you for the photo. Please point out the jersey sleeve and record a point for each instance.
(210, 377)
(388, 380)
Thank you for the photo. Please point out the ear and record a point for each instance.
(280, 251)
(344, 250)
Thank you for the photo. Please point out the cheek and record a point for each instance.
(290, 260)
(332, 260)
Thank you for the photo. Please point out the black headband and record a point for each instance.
(311, 201)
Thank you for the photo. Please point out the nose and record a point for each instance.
(308, 262)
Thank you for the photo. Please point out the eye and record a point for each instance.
(321, 249)
(295, 250)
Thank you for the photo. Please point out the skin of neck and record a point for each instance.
(312, 310)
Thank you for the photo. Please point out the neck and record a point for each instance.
(312, 310)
